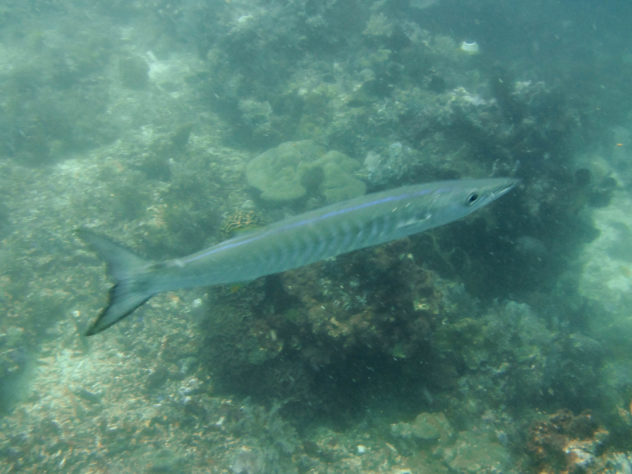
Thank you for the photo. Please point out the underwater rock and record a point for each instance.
(379, 27)
(257, 119)
(247, 461)
(133, 72)
(389, 163)
(617, 462)
(426, 426)
(473, 452)
(565, 442)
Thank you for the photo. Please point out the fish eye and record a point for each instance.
(471, 198)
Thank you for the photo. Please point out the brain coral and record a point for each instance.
(283, 173)
(277, 172)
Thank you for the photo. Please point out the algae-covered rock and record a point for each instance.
(426, 427)
(287, 171)
(432, 426)
(475, 452)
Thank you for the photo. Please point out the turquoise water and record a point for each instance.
(499, 343)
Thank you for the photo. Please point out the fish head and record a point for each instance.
(460, 198)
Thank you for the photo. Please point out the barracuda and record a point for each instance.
(293, 242)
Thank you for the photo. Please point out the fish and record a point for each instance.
(296, 241)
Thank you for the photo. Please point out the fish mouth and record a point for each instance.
(504, 188)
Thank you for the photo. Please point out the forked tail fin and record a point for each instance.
(131, 280)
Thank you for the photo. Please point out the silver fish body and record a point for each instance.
(293, 242)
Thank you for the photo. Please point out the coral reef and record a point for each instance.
(499, 343)
(565, 442)
(240, 220)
